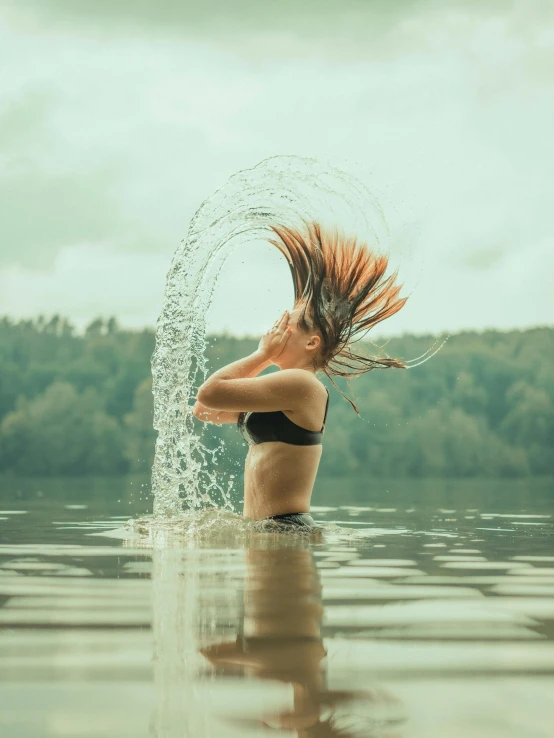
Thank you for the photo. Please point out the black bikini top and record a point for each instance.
(259, 427)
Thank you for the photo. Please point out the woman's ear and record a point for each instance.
(314, 342)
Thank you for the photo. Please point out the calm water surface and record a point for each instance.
(421, 610)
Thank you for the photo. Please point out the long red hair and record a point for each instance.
(340, 285)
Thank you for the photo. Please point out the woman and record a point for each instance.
(340, 291)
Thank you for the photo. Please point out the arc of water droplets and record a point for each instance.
(280, 190)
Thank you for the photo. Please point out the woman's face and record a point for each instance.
(301, 346)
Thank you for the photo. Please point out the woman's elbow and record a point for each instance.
(201, 412)
(205, 395)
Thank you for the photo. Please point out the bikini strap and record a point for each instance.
(326, 408)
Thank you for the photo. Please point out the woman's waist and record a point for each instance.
(263, 499)
(256, 509)
(279, 456)
(279, 480)
(280, 476)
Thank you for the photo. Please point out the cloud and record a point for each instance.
(85, 281)
(296, 28)
(116, 124)
(43, 213)
(25, 118)
(187, 16)
(59, 187)
(45, 209)
(485, 258)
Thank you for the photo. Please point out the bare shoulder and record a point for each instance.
(307, 400)
(302, 380)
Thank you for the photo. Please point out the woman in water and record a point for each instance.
(340, 291)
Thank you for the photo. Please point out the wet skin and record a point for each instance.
(279, 477)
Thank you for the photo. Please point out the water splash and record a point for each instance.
(280, 190)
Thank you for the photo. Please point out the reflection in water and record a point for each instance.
(264, 626)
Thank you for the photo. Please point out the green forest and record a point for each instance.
(74, 404)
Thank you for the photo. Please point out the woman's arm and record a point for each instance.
(237, 368)
(287, 389)
(206, 415)
(235, 386)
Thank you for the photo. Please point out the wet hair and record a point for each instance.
(341, 290)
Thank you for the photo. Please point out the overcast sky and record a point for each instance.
(117, 119)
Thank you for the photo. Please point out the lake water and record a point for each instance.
(420, 610)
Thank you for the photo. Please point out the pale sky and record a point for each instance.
(117, 119)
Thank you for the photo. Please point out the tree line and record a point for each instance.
(81, 404)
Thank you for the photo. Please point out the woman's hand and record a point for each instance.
(274, 341)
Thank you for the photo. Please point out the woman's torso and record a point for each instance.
(278, 475)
